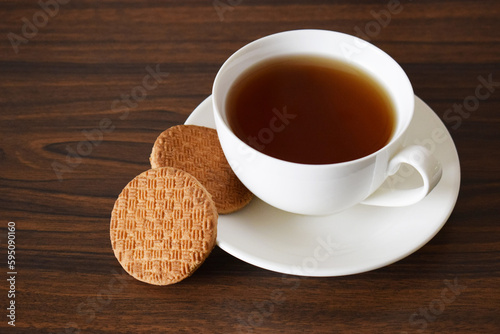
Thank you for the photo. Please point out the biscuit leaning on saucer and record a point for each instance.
(197, 150)
(163, 226)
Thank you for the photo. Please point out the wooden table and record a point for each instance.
(77, 124)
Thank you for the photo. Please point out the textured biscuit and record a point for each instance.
(163, 226)
(196, 149)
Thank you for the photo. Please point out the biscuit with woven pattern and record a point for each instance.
(196, 149)
(163, 226)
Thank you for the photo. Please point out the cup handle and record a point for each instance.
(426, 165)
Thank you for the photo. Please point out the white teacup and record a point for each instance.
(326, 188)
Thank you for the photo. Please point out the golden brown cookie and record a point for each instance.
(196, 149)
(163, 226)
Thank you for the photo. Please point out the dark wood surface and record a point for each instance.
(61, 84)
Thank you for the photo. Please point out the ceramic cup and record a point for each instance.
(325, 188)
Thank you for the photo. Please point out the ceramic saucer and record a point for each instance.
(357, 240)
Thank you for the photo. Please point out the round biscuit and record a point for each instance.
(163, 226)
(196, 149)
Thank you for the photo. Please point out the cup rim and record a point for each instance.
(394, 138)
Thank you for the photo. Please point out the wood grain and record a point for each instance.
(60, 87)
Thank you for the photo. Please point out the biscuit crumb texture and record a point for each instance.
(163, 226)
(196, 150)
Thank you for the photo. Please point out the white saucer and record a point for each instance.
(357, 240)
